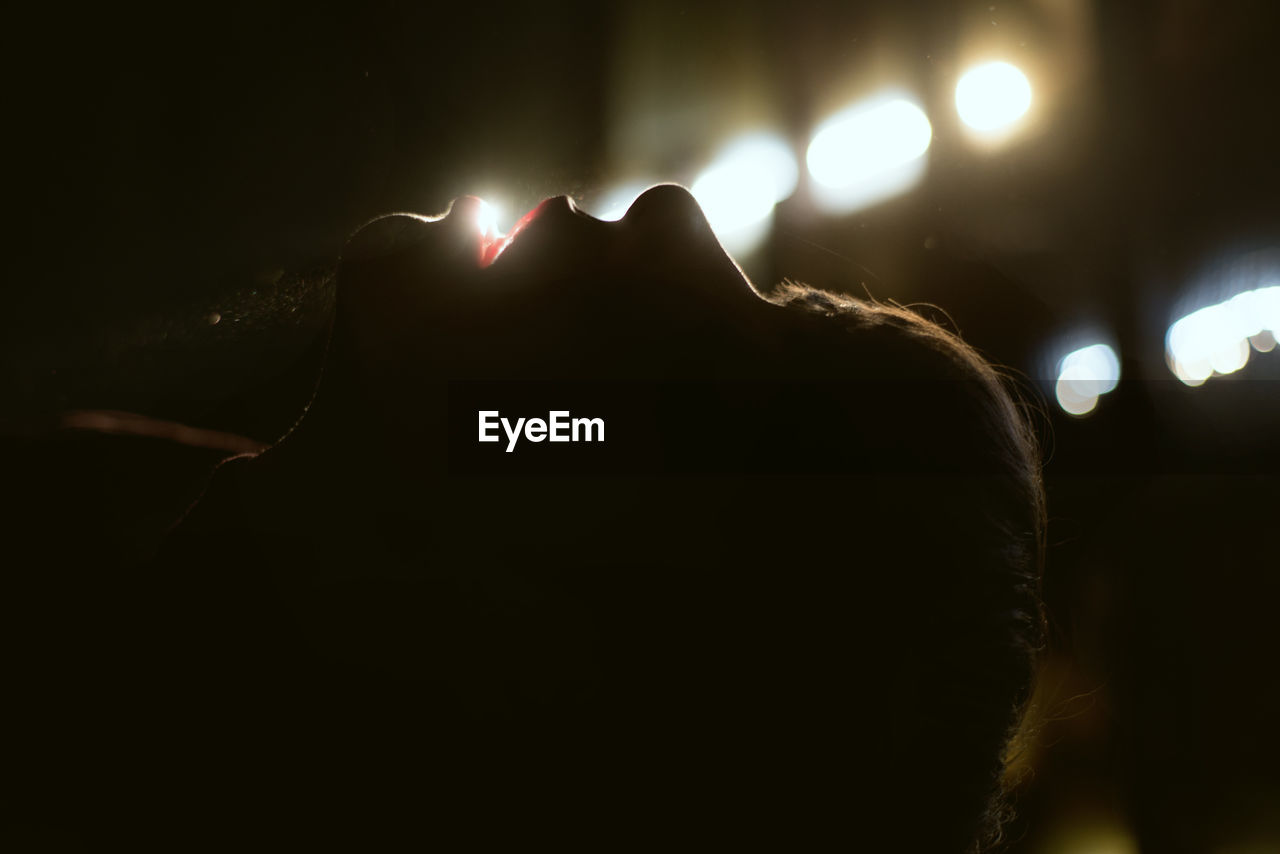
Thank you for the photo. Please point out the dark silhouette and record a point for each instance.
(793, 592)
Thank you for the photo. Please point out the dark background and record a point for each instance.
(170, 164)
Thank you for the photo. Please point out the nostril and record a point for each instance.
(557, 205)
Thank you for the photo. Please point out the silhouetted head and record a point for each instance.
(796, 584)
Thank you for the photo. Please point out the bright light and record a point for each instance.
(863, 142)
(1097, 367)
(1216, 339)
(867, 152)
(487, 216)
(993, 96)
(1071, 401)
(767, 158)
(1084, 375)
(737, 193)
(730, 202)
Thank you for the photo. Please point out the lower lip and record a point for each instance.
(492, 247)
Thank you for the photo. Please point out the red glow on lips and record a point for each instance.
(492, 245)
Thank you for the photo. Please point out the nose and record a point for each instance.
(669, 216)
(669, 203)
(666, 228)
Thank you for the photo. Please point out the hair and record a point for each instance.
(973, 546)
(835, 631)
(838, 630)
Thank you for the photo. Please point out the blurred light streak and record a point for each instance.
(992, 97)
(740, 188)
(1216, 339)
(867, 152)
(1084, 375)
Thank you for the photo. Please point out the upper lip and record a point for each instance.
(494, 246)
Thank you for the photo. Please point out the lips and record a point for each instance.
(492, 245)
(665, 210)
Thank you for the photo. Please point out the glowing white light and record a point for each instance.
(1093, 370)
(1084, 375)
(1071, 402)
(487, 217)
(1216, 339)
(738, 191)
(1194, 372)
(863, 142)
(993, 96)
(731, 203)
(1230, 358)
(766, 158)
(1069, 397)
(868, 152)
(1248, 312)
(1264, 306)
